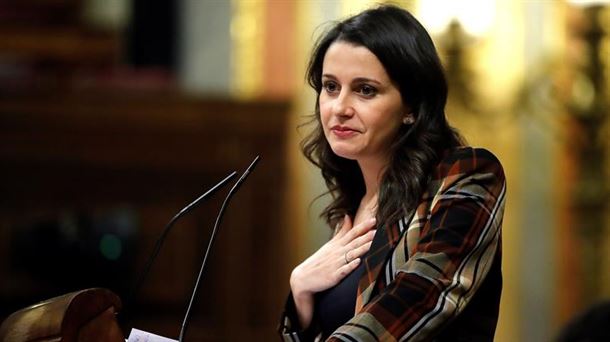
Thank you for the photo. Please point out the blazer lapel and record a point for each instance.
(383, 242)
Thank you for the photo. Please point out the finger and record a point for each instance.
(362, 239)
(360, 229)
(345, 226)
(361, 250)
(346, 269)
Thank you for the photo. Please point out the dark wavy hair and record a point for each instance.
(410, 59)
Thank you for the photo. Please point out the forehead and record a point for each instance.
(347, 60)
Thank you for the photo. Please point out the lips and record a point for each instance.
(343, 131)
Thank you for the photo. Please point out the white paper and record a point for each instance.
(143, 336)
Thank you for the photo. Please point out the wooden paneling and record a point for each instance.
(153, 152)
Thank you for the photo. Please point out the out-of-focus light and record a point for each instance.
(475, 16)
(107, 14)
(585, 3)
(583, 93)
(111, 246)
(351, 7)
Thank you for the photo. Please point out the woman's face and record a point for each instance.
(361, 109)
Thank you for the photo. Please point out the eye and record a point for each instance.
(330, 86)
(367, 90)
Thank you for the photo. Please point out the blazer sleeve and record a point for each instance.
(457, 244)
(289, 327)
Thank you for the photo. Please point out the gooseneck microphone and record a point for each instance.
(207, 251)
(168, 227)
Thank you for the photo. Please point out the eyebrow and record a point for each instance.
(356, 80)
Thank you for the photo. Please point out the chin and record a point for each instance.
(344, 153)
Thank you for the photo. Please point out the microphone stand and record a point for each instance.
(162, 237)
(207, 251)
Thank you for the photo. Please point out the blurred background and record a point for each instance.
(115, 114)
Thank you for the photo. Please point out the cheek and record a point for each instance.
(387, 126)
(324, 112)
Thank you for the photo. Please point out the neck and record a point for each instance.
(372, 172)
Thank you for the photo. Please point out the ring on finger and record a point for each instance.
(347, 260)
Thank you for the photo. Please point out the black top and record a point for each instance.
(335, 306)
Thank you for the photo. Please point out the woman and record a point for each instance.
(416, 251)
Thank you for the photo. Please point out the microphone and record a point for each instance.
(168, 227)
(207, 251)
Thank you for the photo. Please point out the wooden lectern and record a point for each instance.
(86, 315)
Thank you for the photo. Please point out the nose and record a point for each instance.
(343, 105)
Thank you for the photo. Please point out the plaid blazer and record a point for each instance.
(435, 275)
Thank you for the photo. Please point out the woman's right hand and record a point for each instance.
(329, 265)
